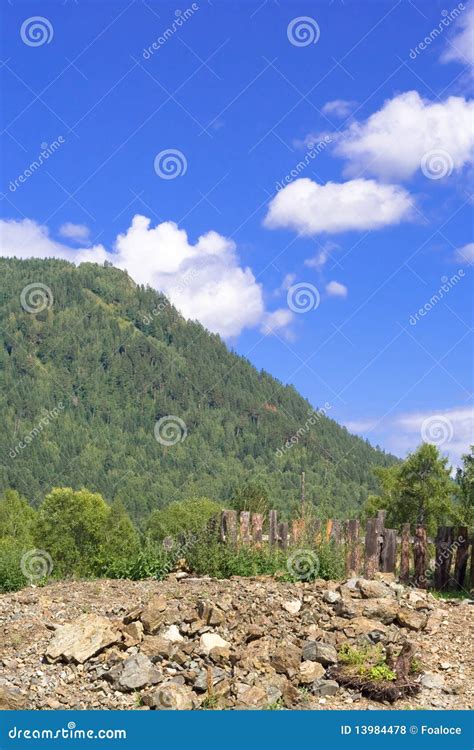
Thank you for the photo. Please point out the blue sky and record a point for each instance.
(296, 175)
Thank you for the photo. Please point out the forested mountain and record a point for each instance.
(86, 380)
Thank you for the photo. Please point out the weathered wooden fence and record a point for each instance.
(367, 551)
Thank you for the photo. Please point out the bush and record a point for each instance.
(182, 516)
(208, 556)
(11, 577)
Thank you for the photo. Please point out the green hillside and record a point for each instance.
(85, 380)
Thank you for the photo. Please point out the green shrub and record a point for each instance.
(11, 577)
(182, 516)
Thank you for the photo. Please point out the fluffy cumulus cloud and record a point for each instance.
(311, 208)
(395, 141)
(336, 289)
(205, 280)
(465, 254)
(460, 46)
(76, 232)
(451, 430)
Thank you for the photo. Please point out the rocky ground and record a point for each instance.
(240, 643)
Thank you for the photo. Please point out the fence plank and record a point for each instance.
(245, 527)
(472, 564)
(257, 528)
(298, 529)
(389, 551)
(328, 529)
(231, 526)
(352, 528)
(419, 554)
(336, 532)
(283, 535)
(444, 555)
(405, 553)
(462, 554)
(372, 550)
(273, 527)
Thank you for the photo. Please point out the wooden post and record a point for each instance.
(472, 563)
(352, 546)
(444, 555)
(222, 530)
(273, 527)
(298, 527)
(257, 528)
(328, 529)
(405, 553)
(462, 554)
(389, 551)
(230, 526)
(371, 563)
(316, 530)
(419, 555)
(336, 532)
(381, 516)
(245, 527)
(283, 535)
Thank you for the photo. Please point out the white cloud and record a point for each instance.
(76, 232)
(460, 46)
(392, 142)
(322, 257)
(465, 254)
(361, 425)
(278, 320)
(311, 208)
(339, 107)
(336, 289)
(204, 281)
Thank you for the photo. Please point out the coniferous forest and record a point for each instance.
(87, 379)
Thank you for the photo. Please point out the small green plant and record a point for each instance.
(137, 699)
(305, 694)
(210, 702)
(362, 655)
(381, 672)
(275, 706)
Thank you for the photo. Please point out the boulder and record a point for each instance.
(408, 618)
(293, 606)
(136, 672)
(324, 688)
(210, 614)
(205, 676)
(11, 699)
(80, 640)
(153, 614)
(323, 653)
(286, 660)
(373, 589)
(172, 634)
(208, 641)
(253, 697)
(310, 671)
(170, 696)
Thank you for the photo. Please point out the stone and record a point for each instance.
(384, 610)
(154, 646)
(373, 589)
(324, 688)
(219, 655)
(286, 660)
(364, 626)
(215, 674)
(254, 632)
(293, 606)
(153, 614)
(209, 614)
(310, 671)
(134, 630)
(11, 699)
(170, 696)
(331, 597)
(431, 681)
(138, 671)
(208, 641)
(408, 618)
(323, 653)
(172, 634)
(253, 696)
(80, 640)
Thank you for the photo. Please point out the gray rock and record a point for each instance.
(323, 653)
(137, 672)
(431, 681)
(170, 696)
(80, 640)
(324, 688)
(200, 683)
(331, 597)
